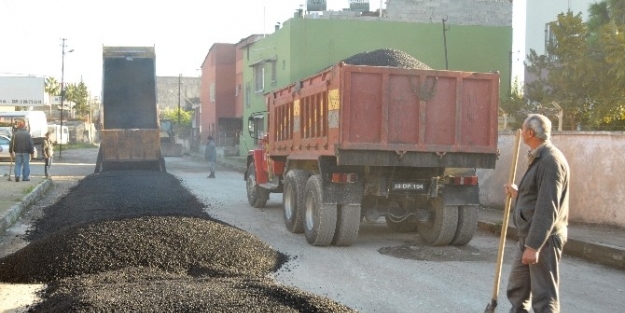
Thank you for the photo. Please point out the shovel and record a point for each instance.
(10, 169)
(11, 157)
(490, 308)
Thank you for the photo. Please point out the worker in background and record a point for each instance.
(541, 212)
(210, 154)
(22, 149)
(48, 152)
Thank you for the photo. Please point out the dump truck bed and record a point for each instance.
(129, 88)
(130, 132)
(386, 116)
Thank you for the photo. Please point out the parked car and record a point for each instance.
(4, 148)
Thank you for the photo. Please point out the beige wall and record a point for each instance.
(597, 175)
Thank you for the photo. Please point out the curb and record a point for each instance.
(597, 253)
(16, 210)
(232, 165)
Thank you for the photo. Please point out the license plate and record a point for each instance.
(408, 186)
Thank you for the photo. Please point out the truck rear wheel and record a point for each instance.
(161, 165)
(347, 224)
(467, 225)
(320, 219)
(98, 162)
(441, 227)
(257, 196)
(293, 200)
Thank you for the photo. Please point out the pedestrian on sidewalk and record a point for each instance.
(541, 212)
(48, 152)
(210, 154)
(22, 149)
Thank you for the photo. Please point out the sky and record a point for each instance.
(181, 31)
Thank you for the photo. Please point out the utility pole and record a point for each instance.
(179, 83)
(445, 29)
(62, 93)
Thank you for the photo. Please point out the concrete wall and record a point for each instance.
(597, 175)
(167, 91)
(456, 12)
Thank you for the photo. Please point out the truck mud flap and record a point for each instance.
(461, 195)
(340, 193)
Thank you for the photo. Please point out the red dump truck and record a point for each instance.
(358, 142)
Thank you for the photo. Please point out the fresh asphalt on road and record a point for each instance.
(362, 276)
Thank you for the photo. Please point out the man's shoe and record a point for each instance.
(26, 179)
(17, 179)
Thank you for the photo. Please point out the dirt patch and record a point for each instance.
(418, 250)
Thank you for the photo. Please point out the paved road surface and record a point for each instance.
(382, 271)
(389, 272)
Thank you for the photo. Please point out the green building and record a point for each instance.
(305, 46)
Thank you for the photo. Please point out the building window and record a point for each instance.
(212, 92)
(237, 90)
(259, 78)
(248, 95)
(274, 74)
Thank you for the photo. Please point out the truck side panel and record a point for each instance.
(366, 115)
(418, 110)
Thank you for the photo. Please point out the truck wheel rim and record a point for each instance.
(288, 203)
(310, 221)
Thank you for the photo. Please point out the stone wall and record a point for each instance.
(167, 91)
(457, 12)
(597, 175)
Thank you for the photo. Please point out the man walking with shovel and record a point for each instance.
(540, 215)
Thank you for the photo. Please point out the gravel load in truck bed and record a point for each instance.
(138, 241)
(387, 57)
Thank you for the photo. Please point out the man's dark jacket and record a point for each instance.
(22, 142)
(542, 205)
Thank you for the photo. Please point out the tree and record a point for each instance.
(79, 95)
(52, 86)
(184, 128)
(583, 69)
(571, 84)
(515, 106)
(607, 44)
(81, 100)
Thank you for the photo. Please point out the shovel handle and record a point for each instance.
(506, 216)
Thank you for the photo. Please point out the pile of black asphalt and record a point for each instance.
(386, 57)
(138, 241)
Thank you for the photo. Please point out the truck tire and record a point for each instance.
(320, 218)
(347, 224)
(293, 200)
(467, 225)
(257, 196)
(441, 228)
(98, 162)
(161, 163)
(404, 226)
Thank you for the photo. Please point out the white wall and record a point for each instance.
(597, 175)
